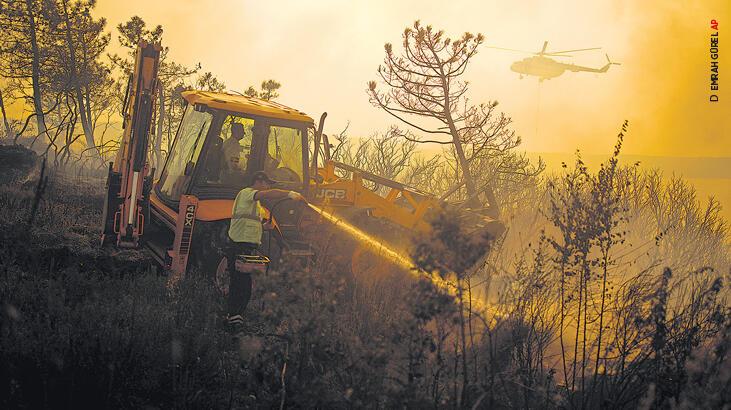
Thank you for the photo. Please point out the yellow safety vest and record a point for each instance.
(245, 218)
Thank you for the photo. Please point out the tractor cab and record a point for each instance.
(222, 140)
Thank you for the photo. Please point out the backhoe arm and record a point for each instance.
(129, 180)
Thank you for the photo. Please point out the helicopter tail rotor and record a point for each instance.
(606, 66)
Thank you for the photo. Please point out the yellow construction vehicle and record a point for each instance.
(222, 140)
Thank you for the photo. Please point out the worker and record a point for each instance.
(245, 237)
(232, 147)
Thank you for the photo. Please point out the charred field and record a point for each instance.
(87, 327)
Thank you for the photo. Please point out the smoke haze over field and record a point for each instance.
(324, 52)
(478, 272)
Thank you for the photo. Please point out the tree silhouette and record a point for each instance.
(267, 92)
(24, 51)
(424, 89)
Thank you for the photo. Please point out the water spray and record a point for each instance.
(401, 261)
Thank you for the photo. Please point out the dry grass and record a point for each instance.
(85, 327)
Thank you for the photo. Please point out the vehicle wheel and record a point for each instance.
(215, 270)
(210, 255)
(221, 277)
(217, 273)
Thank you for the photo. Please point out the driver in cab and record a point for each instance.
(245, 234)
(232, 147)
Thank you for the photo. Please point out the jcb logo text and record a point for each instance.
(326, 193)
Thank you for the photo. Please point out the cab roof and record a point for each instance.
(245, 105)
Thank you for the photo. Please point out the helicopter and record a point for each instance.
(545, 68)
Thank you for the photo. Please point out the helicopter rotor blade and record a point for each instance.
(543, 51)
(512, 49)
(579, 49)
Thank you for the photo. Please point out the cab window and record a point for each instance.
(284, 160)
(185, 152)
(228, 153)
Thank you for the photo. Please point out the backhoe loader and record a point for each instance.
(183, 216)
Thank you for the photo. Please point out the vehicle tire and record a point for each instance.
(221, 277)
(214, 269)
(208, 255)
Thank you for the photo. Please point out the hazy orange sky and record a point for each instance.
(324, 52)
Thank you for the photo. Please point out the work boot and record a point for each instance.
(235, 324)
